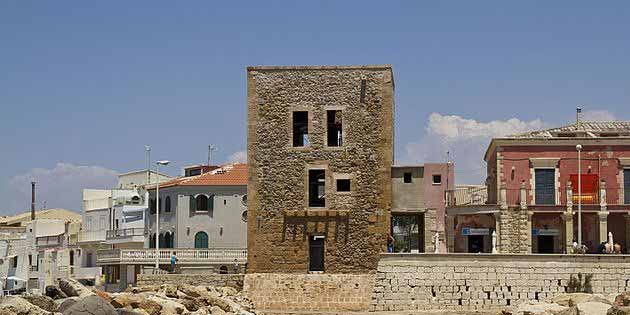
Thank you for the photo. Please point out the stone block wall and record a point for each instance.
(309, 292)
(215, 280)
(513, 231)
(407, 282)
(355, 224)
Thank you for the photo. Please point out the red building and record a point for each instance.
(532, 186)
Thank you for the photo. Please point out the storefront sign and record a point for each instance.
(545, 232)
(473, 231)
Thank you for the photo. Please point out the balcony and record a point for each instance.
(92, 236)
(125, 235)
(49, 241)
(185, 256)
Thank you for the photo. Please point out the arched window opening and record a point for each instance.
(201, 240)
(223, 270)
(244, 200)
(152, 241)
(152, 206)
(71, 258)
(162, 240)
(167, 204)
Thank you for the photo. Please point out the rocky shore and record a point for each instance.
(72, 298)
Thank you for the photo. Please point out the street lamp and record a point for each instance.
(157, 213)
(579, 150)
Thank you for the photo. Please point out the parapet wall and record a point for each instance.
(216, 280)
(483, 281)
(309, 292)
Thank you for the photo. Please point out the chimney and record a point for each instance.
(578, 111)
(32, 201)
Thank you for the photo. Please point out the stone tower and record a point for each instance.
(320, 150)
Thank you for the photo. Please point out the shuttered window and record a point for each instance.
(545, 186)
(626, 186)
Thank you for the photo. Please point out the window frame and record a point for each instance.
(407, 177)
(555, 184)
(327, 124)
(433, 179)
(308, 187)
(292, 132)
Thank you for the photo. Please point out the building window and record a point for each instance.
(71, 258)
(316, 188)
(626, 186)
(14, 262)
(135, 200)
(152, 241)
(201, 240)
(316, 253)
(202, 203)
(545, 186)
(152, 206)
(167, 204)
(437, 179)
(244, 216)
(223, 270)
(335, 128)
(300, 129)
(343, 185)
(244, 200)
(407, 177)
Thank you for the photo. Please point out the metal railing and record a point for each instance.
(184, 255)
(462, 196)
(122, 233)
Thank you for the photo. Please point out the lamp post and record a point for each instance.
(157, 213)
(579, 150)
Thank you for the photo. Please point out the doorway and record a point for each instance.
(408, 233)
(545, 244)
(476, 244)
(316, 253)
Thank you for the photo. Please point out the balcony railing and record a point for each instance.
(49, 241)
(557, 197)
(184, 256)
(92, 236)
(123, 233)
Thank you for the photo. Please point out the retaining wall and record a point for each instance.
(483, 281)
(310, 292)
(217, 280)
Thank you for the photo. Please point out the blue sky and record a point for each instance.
(85, 85)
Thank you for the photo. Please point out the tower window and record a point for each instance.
(335, 128)
(407, 177)
(316, 188)
(300, 129)
(343, 185)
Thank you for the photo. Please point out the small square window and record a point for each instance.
(437, 179)
(407, 177)
(343, 185)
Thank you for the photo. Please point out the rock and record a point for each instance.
(169, 290)
(54, 292)
(168, 306)
(623, 299)
(593, 308)
(124, 311)
(572, 310)
(72, 287)
(16, 305)
(150, 307)
(124, 300)
(145, 288)
(91, 305)
(228, 291)
(540, 309)
(140, 311)
(618, 310)
(44, 302)
(103, 295)
(578, 298)
(191, 304)
(215, 310)
(192, 290)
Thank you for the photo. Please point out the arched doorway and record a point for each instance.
(201, 240)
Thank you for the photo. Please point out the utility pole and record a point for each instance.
(32, 201)
(148, 149)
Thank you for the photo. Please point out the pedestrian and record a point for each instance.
(173, 261)
(390, 243)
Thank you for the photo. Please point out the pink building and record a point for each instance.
(532, 187)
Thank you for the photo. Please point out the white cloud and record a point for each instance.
(59, 187)
(466, 141)
(598, 115)
(238, 157)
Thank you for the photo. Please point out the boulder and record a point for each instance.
(190, 303)
(66, 304)
(91, 305)
(192, 291)
(124, 311)
(54, 292)
(72, 287)
(623, 299)
(215, 310)
(593, 308)
(228, 291)
(136, 301)
(618, 310)
(144, 288)
(169, 290)
(169, 306)
(19, 306)
(44, 302)
(577, 298)
(103, 295)
(540, 309)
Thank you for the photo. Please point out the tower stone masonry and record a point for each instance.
(320, 151)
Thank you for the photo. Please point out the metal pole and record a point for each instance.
(148, 148)
(157, 220)
(579, 149)
(33, 201)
